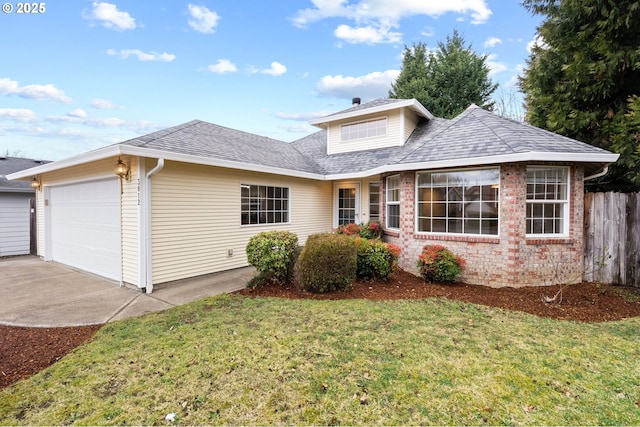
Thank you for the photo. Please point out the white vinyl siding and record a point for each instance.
(410, 122)
(196, 217)
(15, 236)
(129, 224)
(400, 124)
(391, 139)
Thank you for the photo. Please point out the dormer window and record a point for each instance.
(364, 129)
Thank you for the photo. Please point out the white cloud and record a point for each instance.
(138, 126)
(46, 92)
(538, 41)
(382, 13)
(276, 69)
(142, 56)
(367, 34)
(110, 17)
(495, 67)
(18, 114)
(222, 66)
(78, 112)
(102, 104)
(492, 42)
(302, 117)
(428, 32)
(298, 128)
(202, 19)
(372, 85)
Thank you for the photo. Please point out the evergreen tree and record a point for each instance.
(446, 81)
(583, 79)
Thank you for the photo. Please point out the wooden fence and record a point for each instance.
(612, 238)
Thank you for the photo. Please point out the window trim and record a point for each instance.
(450, 234)
(262, 224)
(567, 203)
(387, 203)
(359, 122)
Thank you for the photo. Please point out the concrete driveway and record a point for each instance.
(46, 294)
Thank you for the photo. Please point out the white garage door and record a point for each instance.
(85, 226)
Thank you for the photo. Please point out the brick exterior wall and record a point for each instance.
(509, 259)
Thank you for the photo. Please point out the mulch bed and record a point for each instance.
(25, 351)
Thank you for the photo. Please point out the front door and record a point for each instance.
(347, 204)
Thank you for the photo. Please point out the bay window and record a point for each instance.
(458, 202)
(547, 201)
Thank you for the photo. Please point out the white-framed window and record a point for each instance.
(263, 204)
(458, 202)
(547, 201)
(393, 201)
(365, 129)
(374, 201)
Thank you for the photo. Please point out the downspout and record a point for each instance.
(147, 219)
(597, 175)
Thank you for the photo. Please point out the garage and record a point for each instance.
(84, 228)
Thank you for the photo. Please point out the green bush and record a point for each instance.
(327, 263)
(438, 264)
(371, 230)
(272, 253)
(349, 229)
(376, 258)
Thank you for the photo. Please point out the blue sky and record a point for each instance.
(85, 74)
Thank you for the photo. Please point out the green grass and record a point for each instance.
(239, 361)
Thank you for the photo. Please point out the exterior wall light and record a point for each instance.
(35, 184)
(122, 170)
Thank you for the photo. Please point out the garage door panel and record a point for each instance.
(85, 230)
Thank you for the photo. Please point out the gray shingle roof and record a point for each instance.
(480, 133)
(10, 165)
(371, 104)
(198, 138)
(474, 134)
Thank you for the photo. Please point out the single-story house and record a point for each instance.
(17, 204)
(184, 201)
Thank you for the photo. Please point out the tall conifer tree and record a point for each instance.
(583, 79)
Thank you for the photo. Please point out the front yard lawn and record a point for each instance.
(244, 361)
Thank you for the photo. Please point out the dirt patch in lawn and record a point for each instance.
(25, 351)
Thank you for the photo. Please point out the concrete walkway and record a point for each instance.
(46, 294)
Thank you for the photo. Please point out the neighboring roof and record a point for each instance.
(475, 137)
(10, 165)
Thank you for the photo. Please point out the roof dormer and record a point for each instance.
(380, 123)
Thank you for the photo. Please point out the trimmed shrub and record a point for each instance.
(376, 258)
(327, 263)
(438, 264)
(349, 229)
(371, 230)
(272, 253)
